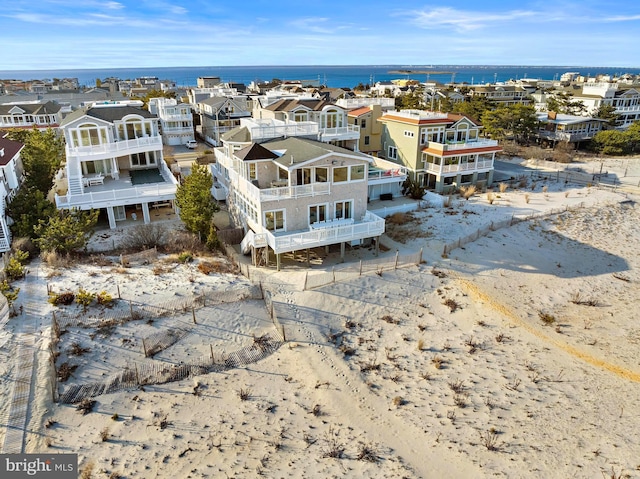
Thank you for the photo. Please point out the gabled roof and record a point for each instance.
(8, 150)
(255, 151)
(107, 113)
(299, 150)
(47, 108)
(291, 104)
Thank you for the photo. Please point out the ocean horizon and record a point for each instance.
(330, 75)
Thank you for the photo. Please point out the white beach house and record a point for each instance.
(114, 162)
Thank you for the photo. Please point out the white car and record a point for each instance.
(192, 144)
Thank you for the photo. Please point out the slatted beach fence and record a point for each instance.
(156, 372)
(316, 279)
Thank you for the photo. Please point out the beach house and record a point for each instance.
(442, 151)
(176, 120)
(114, 162)
(10, 176)
(33, 114)
(292, 194)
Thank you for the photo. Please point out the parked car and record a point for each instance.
(192, 144)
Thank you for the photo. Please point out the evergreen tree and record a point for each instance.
(42, 156)
(28, 208)
(66, 231)
(194, 199)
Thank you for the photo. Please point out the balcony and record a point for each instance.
(114, 149)
(369, 226)
(463, 167)
(273, 130)
(121, 191)
(349, 132)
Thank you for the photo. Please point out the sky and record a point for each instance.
(72, 34)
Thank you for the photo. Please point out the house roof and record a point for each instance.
(8, 150)
(255, 151)
(298, 150)
(289, 104)
(46, 108)
(360, 111)
(107, 113)
(239, 134)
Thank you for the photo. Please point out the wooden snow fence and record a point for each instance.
(160, 372)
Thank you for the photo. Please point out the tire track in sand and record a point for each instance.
(511, 315)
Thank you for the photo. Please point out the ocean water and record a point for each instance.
(332, 76)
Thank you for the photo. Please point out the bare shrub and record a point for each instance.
(468, 191)
(399, 401)
(334, 448)
(56, 260)
(389, 319)
(503, 187)
(87, 470)
(105, 434)
(456, 386)
(527, 198)
(577, 298)
(546, 318)
(489, 439)
(437, 362)
(85, 406)
(65, 371)
(460, 399)
(208, 267)
(490, 197)
(24, 244)
(368, 453)
(147, 236)
(180, 241)
(76, 349)
(420, 344)
(452, 304)
(545, 188)
(244, 394)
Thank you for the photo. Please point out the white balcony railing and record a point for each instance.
(627, 109)
(176, 117)
(470, 144)
(473, 166)
(101, 199)
(116, 148)
(370, 226)
(262, 132)
(349, 132)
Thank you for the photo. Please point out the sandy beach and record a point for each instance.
(513, 355)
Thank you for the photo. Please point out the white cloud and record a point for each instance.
(463, 20)
(622, 18)
(113, 6)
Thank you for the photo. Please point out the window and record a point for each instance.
(143, 159)
(332, 119)
(274, 220)
(300, 116)
(303, 176)
(317, 213)
(340, 174)
(366, 140)
(343, 210)
(251, 171)
(408, 133)
(357, 172)
(392, 152)
(322, 175)
(363, 123)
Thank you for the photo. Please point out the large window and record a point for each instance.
(317, 213)
(392, 153)
(322, 175)
(143, 159)
(343, 210)
(252, 172)
(274, 220)
(357, 172)
(340, 174)
(332, 119)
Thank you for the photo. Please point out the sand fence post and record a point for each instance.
(211, 348)
(144, 347)
(360, 267)
(304, 286)
(333, 272)
(118, 286)
(419, 257)
(131, 309)
(395, 266)
(193, 313)
(137, 374)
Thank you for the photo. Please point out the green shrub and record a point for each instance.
(15, 267)
(85, 298)
(9, 292)
(185, 257)
(105, 299)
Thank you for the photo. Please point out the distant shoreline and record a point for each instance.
(419, 72)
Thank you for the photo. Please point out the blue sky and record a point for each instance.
(57, 34)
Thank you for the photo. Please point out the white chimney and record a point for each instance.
(1, 151)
